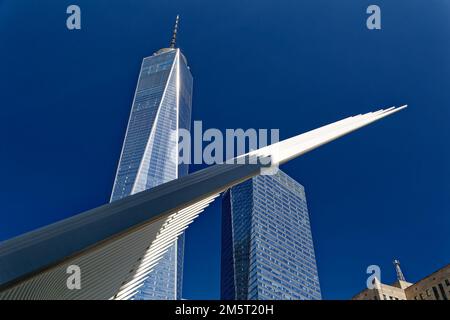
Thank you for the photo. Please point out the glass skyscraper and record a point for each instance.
(161, 106)
(267, 246)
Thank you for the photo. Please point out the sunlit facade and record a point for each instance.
(161, 106)
(267, 246)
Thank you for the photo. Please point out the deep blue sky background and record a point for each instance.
(381, 193)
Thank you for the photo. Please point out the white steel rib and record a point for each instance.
(168, 234)
(117, 259)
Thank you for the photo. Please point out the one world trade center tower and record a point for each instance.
(161, 107)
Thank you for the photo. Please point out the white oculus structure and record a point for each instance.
(106, 242)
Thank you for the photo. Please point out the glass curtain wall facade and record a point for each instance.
(267, 246)
(162, 105)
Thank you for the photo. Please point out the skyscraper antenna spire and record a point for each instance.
(173, 42)
(399, 272)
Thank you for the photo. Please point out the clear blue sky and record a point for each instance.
(378, 194)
